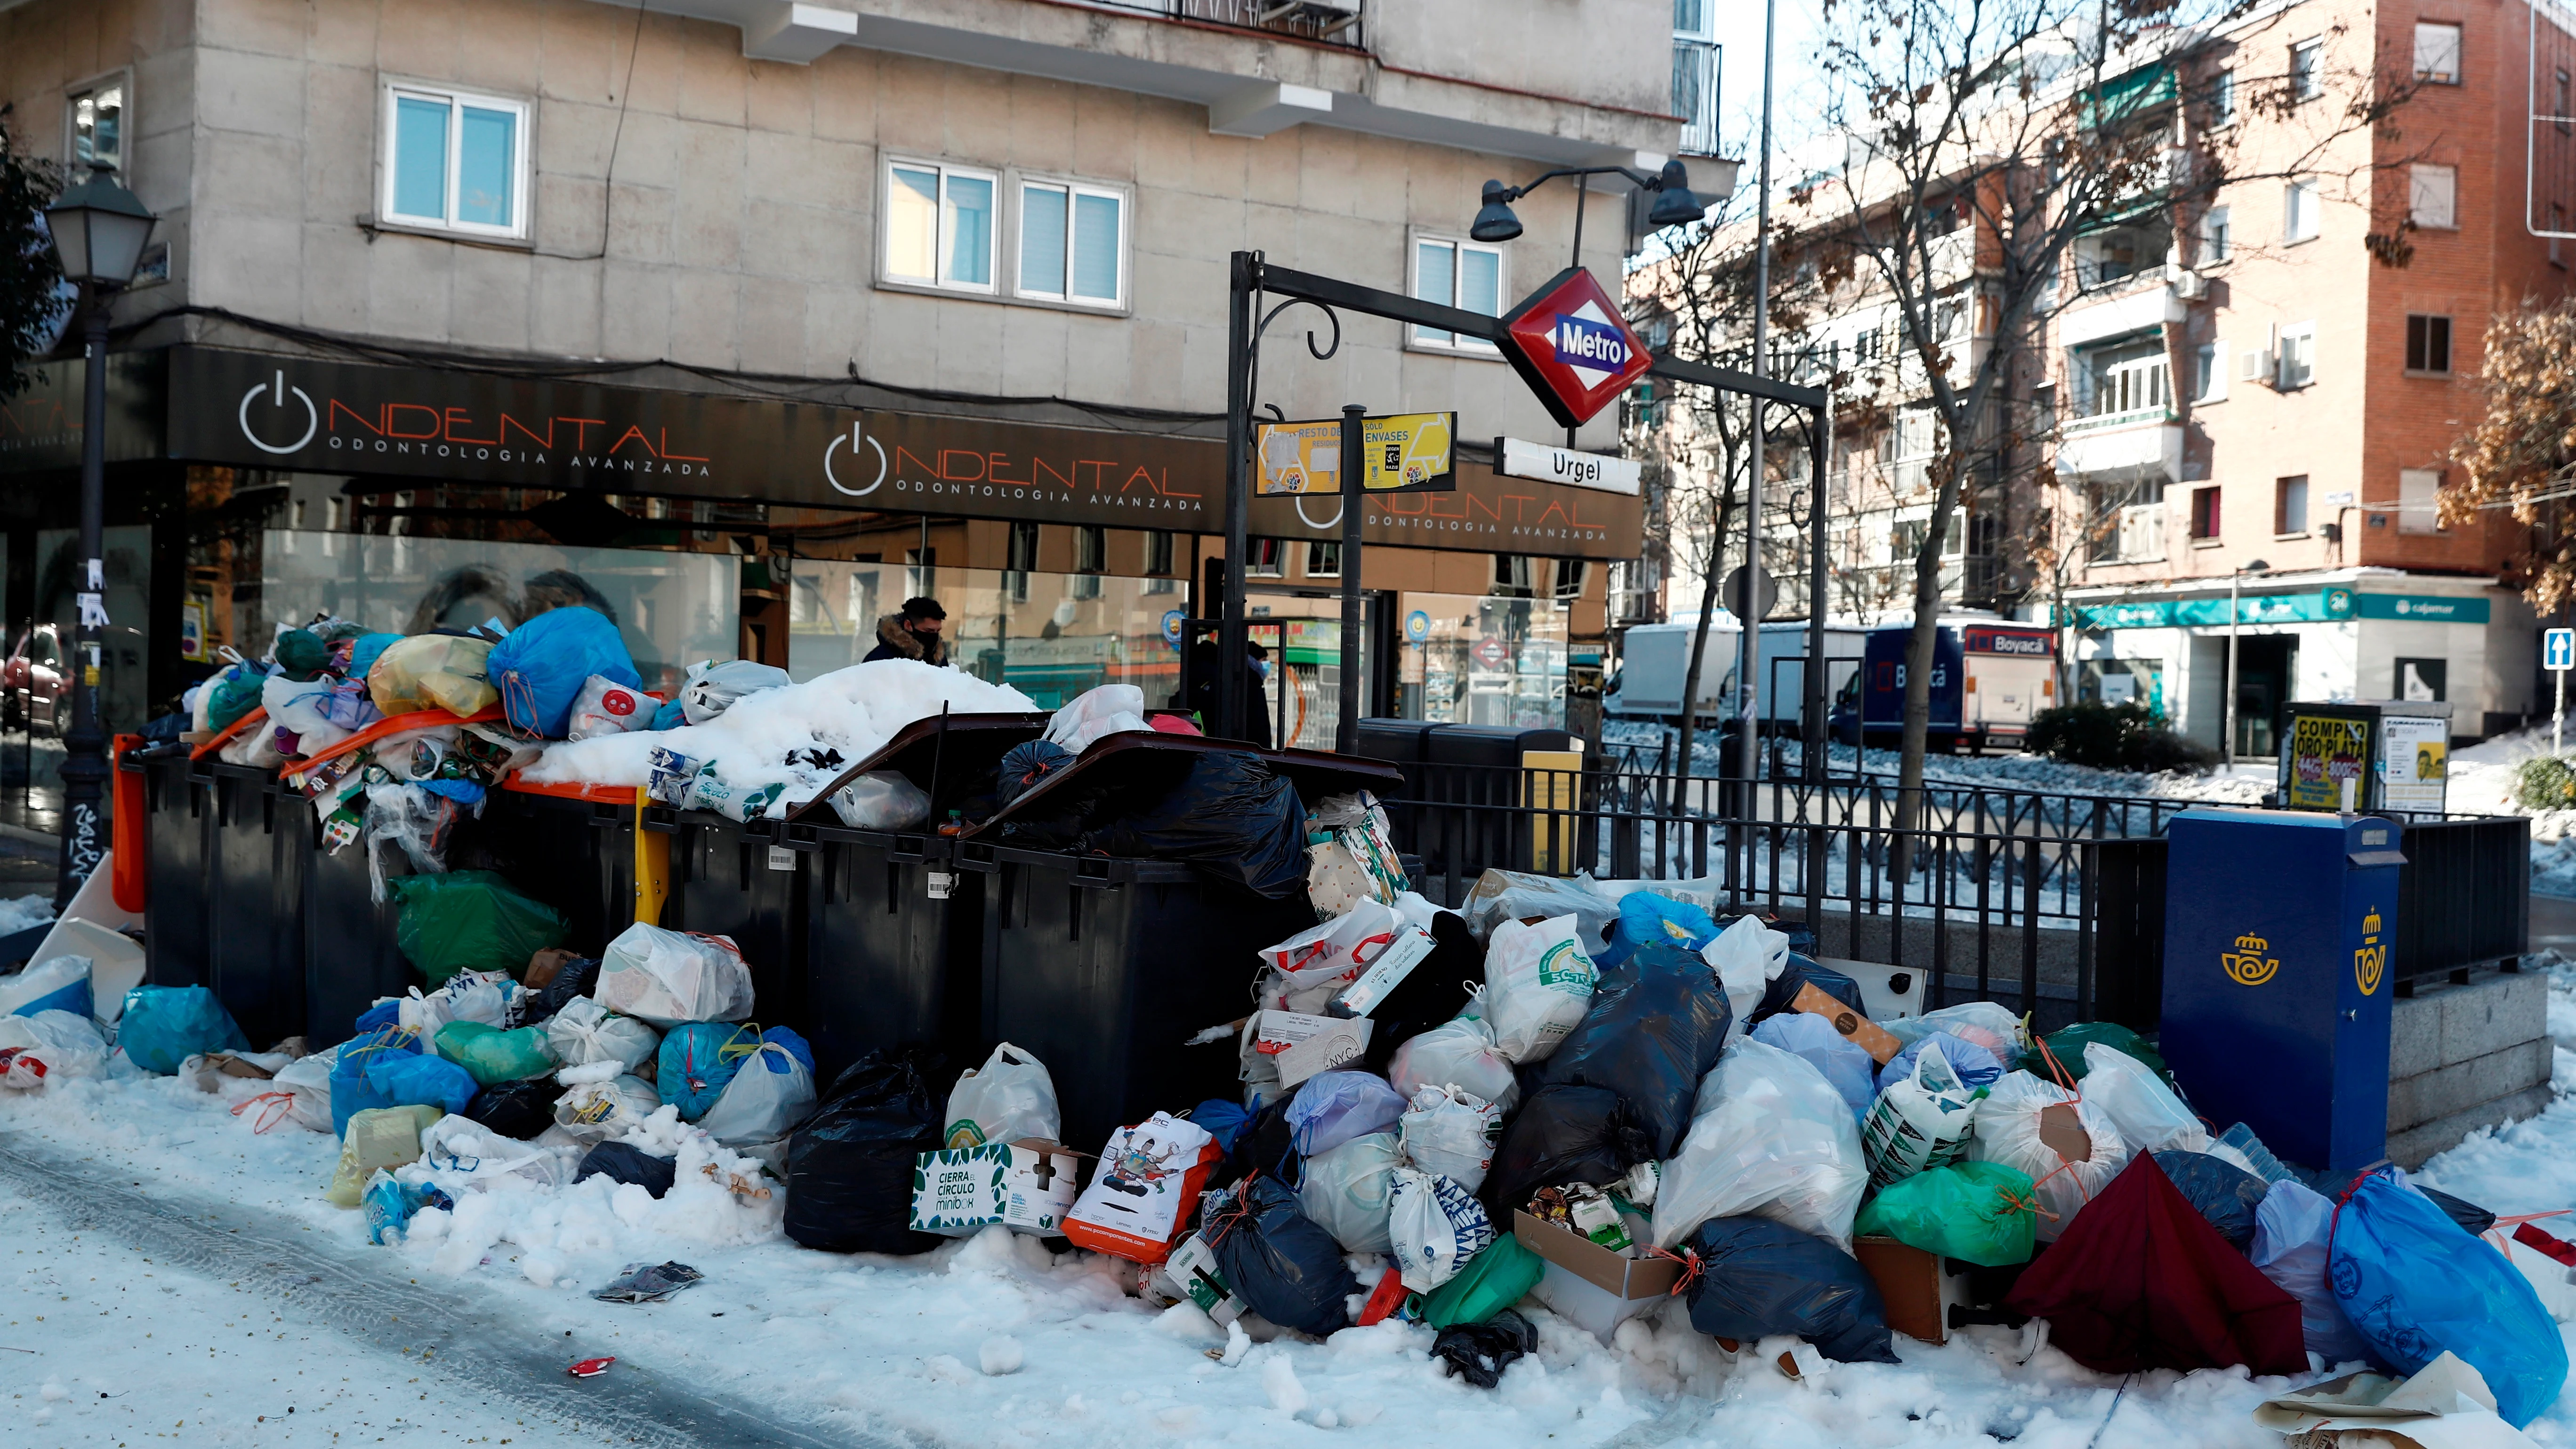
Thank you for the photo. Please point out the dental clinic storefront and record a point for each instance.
(2348, 634)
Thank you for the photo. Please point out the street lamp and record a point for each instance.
(99, 229)
(1675, 203)
(2227, 725)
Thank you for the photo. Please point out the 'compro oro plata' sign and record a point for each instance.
(1404, 453)
(2325, 752)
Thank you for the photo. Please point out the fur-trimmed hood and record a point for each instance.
(892, 636)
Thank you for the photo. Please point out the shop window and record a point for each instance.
(1073, 243)
(1459, 274)
(2204, 513)
(1265, 558)
(1323, 560)
(2418, 500)
(939, 228)
(456, 162)
(2432, 196)
(94, 120)
(2437, 53)
(2290, 504)
(2428, 344)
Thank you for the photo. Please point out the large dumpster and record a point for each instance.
(174, 912)
(258, 842)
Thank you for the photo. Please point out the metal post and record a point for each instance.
(1819, 452)
(84, 767)
(1231, 654)
(1346, 730)
(1749, 644)
(2558, 717)
(2227, 706)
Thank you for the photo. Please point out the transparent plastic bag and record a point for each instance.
(1452, 1133)
(1349, 1192)
(432, 671)
(1747, 957)
(713, 688)
(881, 800)
(1457, 1053)
(596, 1111)
(668, 977)
(2145, 1110)
(1987, 1024)
(1512, 895)
(585, 1031)
(1011, 1098)
(1773, 1139)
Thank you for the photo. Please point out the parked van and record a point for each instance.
(1988, 679)
(1653, 658)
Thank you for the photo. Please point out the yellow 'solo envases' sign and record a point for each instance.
(1405, 453)
(2325, 752)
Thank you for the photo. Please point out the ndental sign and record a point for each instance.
(1569, 343)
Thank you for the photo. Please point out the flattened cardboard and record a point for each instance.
(1872, 1037)
(1302, 1045)
(1913, 1285)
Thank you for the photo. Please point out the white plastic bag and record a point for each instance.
(712, 688)
(1011, 1098)
(1921, 1121)
(1346, 1191)
(1772, 1138)
(2150, 1117)
(1109, 709)
(606, 707)
(1457, 1053)
(585, 1031)
(307, 1083)
(482, 996)
(881, 800)
(771, 1092)
(1538, 984)
(1451, 1133)
(1989, 1024)
(2008, 1131)
(1303, 972)
(2292, 1229)
(1435, 1227)
(1511, 895)
(593, 1112)
(668, 977)
(48, 1046)
(1747, 957)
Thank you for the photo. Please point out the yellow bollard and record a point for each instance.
(652, 866)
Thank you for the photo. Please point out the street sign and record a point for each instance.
(1417, 626)
(1569, 343)
(1765, 596)
(1549, 464)
(2558, 655)
(1406, 453)
(1491, 653)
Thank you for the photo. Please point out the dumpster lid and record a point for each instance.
(960, 746)
(1141, 760)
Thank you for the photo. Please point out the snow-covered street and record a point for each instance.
(170, 1257)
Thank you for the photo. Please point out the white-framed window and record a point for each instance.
(1073, 242)
(2290, 504)
(2222, 99)
(1323, 559)
(2437, 53)
(2418, 500)
(2299, 210)
(2307, 70)
(455, 161)
(941, 225)
(94, 124)
(2214, 235)
(2298, 355)
(2432, 196)
(2209, 373)
(1265, 558)
(1455, 273)
(1571, 575)
(2127, 378)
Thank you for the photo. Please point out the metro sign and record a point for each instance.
(1569, 343)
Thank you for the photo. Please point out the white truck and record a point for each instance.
(1653, 660)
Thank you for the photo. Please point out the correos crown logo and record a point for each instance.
(2247, 965)
(2370, 959)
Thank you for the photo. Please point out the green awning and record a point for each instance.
(2123, 96)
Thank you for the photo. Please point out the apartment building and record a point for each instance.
(748, 319)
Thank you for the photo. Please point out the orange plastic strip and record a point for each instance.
(227, 732)
(419, 719)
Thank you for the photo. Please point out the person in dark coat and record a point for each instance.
(1202, 692)
(912, 633)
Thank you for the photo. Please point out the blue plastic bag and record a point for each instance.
(698, 1061)
(1645, 916)
(2415, 1284)
(416, 1079)
(1975, 1065)
(390, 1205)
(670, 716)
(163, 1026)
(541, 666)
(1224, 1121)
(1332, 1108)
(362, 654)
(1845, 1063)
(383, 1013)
(350, 1093)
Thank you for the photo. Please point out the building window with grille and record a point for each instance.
(2428, 344)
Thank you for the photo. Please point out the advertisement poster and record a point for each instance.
(1410, 452)
(2415, 762)
(2324, 753)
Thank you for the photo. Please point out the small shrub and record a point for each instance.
(2545, 782)
(2115, 737)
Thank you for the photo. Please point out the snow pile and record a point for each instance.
(854, 711)
(25, 913)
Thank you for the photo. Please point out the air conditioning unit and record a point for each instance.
(2258, 365)
(2189, 285)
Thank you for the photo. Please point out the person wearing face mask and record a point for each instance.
(1202, 692)
(912, 633)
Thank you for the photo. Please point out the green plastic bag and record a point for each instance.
(471, 920)
(233, 697)
(1977, 1212)
(493, 1056)
(1492, 1281)
(2067, 1045)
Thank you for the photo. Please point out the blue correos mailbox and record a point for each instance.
(2276, 993)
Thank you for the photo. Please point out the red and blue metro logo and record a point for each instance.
(1569, 343)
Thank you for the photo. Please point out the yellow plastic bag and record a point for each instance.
(379, 1137)
(432, 671)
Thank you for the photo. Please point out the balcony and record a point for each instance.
(2141, 440)
(2134, 535)
(1306, 19)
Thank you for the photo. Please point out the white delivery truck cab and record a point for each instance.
(1653, 659)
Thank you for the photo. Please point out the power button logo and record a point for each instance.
(276, 393)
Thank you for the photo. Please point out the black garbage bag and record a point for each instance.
(1801, 970)
(1758, 1277)
(1564, 1134)
(575, 979)
(2468, 1215)
(1230, 816)
(1267, 1146)
(625, 1162)
(1431, 993)
(1280, 1262)
(1655, 1026)
(2218, 1190)
(1479, 1352)
(516, 1109)
(849, 1168)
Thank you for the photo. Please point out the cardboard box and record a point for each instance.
(1589, 1285)
(1917, 1289)
(1026, 1186)
(1192, 1271)
(1302, 1045)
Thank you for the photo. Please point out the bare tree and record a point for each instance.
(1987, 138)
(2521, 454)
